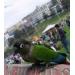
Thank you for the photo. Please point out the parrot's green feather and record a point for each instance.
(43, 53)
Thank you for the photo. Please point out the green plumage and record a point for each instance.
(42, 53)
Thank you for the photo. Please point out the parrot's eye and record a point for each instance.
(21, 45)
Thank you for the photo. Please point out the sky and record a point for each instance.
(15, 10)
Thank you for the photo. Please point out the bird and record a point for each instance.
(39, 53)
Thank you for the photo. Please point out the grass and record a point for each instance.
(41, 26)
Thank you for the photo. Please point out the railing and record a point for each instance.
(27, 70)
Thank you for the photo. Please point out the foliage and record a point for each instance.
(30, 30)
(66, 4)
(58, 8)
(8, 51)
(53, 13)
(45, 16)
(10, 41)
(18, 33)
(54, 2)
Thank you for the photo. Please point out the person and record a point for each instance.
(51, 40)
(62, 36)
(63, 23)
(34, 42)
(68, 21)
(47, 37)
(52, 45)
(40, 41)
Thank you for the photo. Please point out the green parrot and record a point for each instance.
(38, 53)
